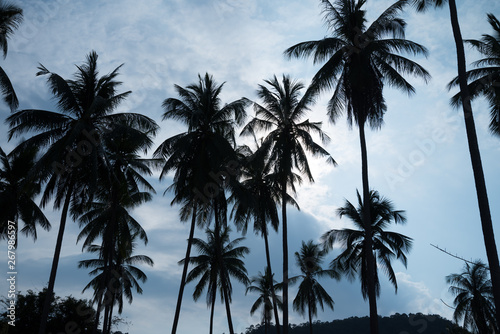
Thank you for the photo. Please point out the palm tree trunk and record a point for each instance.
(110, 317)
(55, 261)
(98, 315)
(370, 259)
(212, 311)
(106, 318)
(228, 308)
(310, 316)
(184, 270)
(285, 256)
(477, 168)
(268, 258)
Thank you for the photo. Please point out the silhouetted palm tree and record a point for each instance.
(286, 145)
(358, 61)
(485, 80)
(310, 292)
(473, 301)
(475, 155)
(17, 195)
(11, 17)
(73, 137)
(219, 260)
(266, 287)
(117, 280)
(386, 245)
(199, 155)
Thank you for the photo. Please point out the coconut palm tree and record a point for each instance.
(11, 17)
(201, 156)
(70, 166)
(17, 195)
(310, 292)
(359, 59)
(219, 260)
(286, 144)
(485, 79)
(473, 298)
(266, 287)
(475, 155)
(118, 279)
(385, 247)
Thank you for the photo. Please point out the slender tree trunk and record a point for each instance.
(55, 261)
(212, 311)
(285, 256)
(310, 316)
(477, 168)
(110, 318)
(228, 308)
(98, 315)
(273, 295)
(184, 270)
(370, 259)
(106, 318)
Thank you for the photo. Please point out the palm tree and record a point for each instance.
(286, 145)
(473, 301)
(485, 80)
(219, 260)
(11, 17)
(117, 280)
(359, 61)
(73, 137)
(475, 155)
(200, 155)
(17, 194)
(310, 291)
(256, 197)
(385, 247)
(266, 287)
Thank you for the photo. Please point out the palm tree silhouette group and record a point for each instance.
(87, 159)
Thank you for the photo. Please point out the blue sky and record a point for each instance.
(419, 159)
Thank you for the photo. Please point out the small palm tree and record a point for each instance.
(11, 17)
(387, 245)
(310, 292)
(266, 287)
(17, 194)
(485, 80)
(219, 260)
(198, 154)
(473, 301)
(286, 144)
(475, 154)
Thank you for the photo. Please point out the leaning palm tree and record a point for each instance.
(11, 17)
(73, 138)
(384, 248)
(485, 79)
(286, 144)
(473, 298)
(359, 59)
(117, 280)
(17, 194)
(475, 155)
(219, 260)
(266, 287)
(310, 292)
(200, 154)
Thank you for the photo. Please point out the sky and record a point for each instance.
(419, 158)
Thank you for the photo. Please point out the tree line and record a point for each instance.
(89, 161)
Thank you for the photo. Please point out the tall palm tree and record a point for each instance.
(256, 198)
(219, 260)
(17, 194)
(286, 145)
(475, 155)
(385, 247)
(266, 287)
(359, 59)
(73, 138)
(200, 154)
(120, 278)
(473, 298)
(310, 292)
(485, 80)
(11, 17)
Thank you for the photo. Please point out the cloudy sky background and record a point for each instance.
(419, 159)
